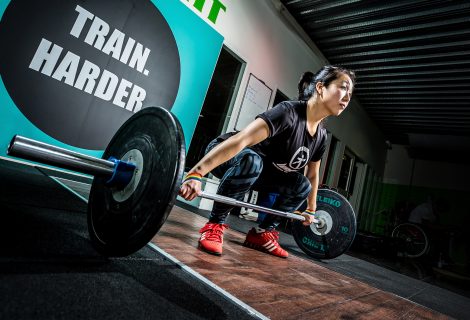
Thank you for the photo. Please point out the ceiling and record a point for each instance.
(412, 61)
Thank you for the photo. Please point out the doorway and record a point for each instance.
(217, 105)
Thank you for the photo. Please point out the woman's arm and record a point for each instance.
(312, 174)
(254, 133)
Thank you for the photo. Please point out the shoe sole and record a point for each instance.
(207, 251)
(261, 249)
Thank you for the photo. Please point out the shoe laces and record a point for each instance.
(215, 231)
(273, 235)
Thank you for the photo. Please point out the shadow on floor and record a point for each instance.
(49, 269)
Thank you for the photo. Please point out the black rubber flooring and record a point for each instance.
(49, 270)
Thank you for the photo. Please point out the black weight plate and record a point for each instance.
(338, 234)
(119, 228)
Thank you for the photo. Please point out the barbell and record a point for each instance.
(137, 180)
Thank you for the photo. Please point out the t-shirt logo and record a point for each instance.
(298, 161)
(300, 158)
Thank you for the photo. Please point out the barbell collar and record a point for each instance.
(122, 173)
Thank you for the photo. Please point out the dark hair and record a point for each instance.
(325, 75)
(305, 79)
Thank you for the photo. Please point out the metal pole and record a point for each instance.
(238, 203)
(30, 149)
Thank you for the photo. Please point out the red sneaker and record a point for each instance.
(212, 237)
(265, 241)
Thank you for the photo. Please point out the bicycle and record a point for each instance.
(399, 237)
(411, 240)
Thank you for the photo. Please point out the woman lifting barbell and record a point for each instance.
(270, 155)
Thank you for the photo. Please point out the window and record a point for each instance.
(346, 173)
(329, 172)
(280, 97)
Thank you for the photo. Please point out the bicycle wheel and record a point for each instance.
(412, 240)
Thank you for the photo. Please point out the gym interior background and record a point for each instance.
(402, 139)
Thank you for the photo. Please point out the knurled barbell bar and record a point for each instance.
(136, 183)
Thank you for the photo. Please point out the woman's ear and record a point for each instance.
(319, 88)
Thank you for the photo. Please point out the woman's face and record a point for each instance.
(337, 95)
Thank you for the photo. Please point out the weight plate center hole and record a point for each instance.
(136, 157)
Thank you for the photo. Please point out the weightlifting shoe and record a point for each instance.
(212, 237)
(265, 241)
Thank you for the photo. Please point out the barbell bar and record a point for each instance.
(136, 183)
(34, 150)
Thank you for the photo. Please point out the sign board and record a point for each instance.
(73, 71)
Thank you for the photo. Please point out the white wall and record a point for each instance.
(275, 52)
(357, 131)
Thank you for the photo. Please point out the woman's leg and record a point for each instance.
(265, 199)
(236, 178)
(292, 189)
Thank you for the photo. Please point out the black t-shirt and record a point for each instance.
(290, 146)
